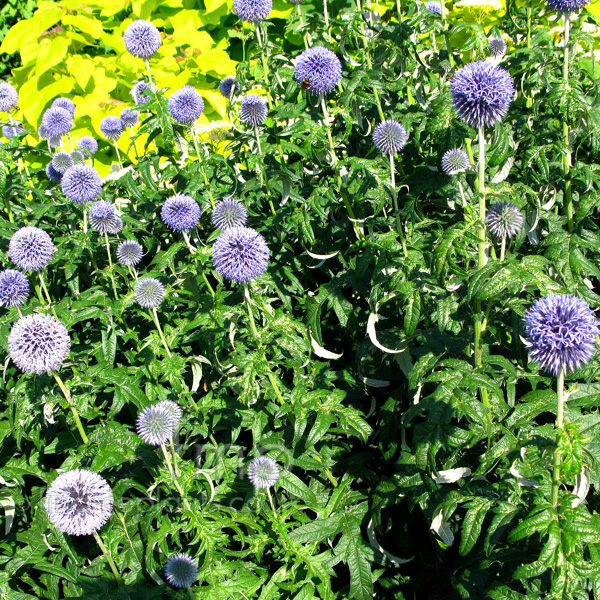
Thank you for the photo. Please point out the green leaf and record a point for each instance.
(473, 521)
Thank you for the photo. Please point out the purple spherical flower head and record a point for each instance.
(129, 253)
(229, 213)
(252, 11)
(53, 174)
(455, 161)
(567, 6)
(57, 121)
(186, 105)
(504, 219)
(389, 137)
(319, 69)
(149, 292)
(497, 47)
(102, 216)
(263, 472)
(88, 144)
(142, 39)
(65, 103)
(180, 213)
(38, 343)
(434, 7)
(9, 97)
(228, 86)
(138, 92)
(54, 142)
(156, 424)
(481, 93)
(130, 117)
(81, 183)
(11, 132)
(111, 127)
(561, 333)
(253, 110)
(42, 132)
(14, 288)
(62, 161)
(77, 156)
(181, 570)
(240, 254)
(31, 248)
(79, 502)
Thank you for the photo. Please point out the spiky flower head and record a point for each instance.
(389, 137)
(54, 142)
(156, 424)
(115, 226)
(57, 121)
(38, 343)
(149, 292)
(138, 92)
(181, 570)
(318, 69)
(434, 7)
(180, 212)
(263, 472)
(79, 502)
(65, 103)
(561, 332)
(14, 288)
(186, 105)
(497, 47)
(228, 86)
(88, 144)
(31, 248)
(129, 253)
(252, 11)
(567, 6)
(481, 93)
(504, 219)
(10, 131)
(229, 213)
(129, 117)
(52, 173)
(111, 127)
(102, 215)
(455, 161)
(240, 254)
(77, 156)
(9, 97)
(174, 409)
(42, 132)
(142, 39)
(62, 161)
(253, 110)
(81, 183)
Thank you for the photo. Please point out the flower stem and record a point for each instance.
(261, 170)
(503, 249)
(160, 331)
(481, 191)
(306, 35)
(327, 25)
(263, 57)
(43, 286)
(137, 156)
(68, 398)
(399, 10)
(560, 418)
(150, 80)
(174, 479)
(567, 154)
(193, 253)
(396, 209)
(118, 154)
(200, 156)
(110, 265)
(447, 35)
(109, 558)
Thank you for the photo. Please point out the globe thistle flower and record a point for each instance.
(129, 253)
(77, 156)
(240, 254)
(180, 213)
(318, 70)
(9, 97)
(10, 131)
(38, 343)
(181, 570)
(81, 183)
(252, 11)
(111, 127)
(228, 86)
(79, 502)
(115, 226)
(31, 248)
(504, 219)
(561, 333)
(497, 47)
(88, 145)
(253, 111)
(142, 39)
(455, 161)
(186, 105)
(567, 6)
(62, 161)
(65, 103)
(102, 215)
(389, 137)
(174, 409)
(481, 93)
(53, 174)
(156, 424)
(130, 117)
(42, 132)
(149, 292)
(229, 213)
(14, 288)
(263, 472)
(57, 121)
(138, 92)
(434, 7)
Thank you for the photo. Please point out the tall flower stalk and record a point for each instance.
(567, 155)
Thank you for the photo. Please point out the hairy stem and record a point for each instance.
(68, 398)
(567, 154)
(110, 266)
(160, 331)
(560, 423)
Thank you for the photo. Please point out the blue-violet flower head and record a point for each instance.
(9, 97)
(111, 127)
(504, 219)
(567, 6)
(142, 39)
(263, 472)
(52, 173)
(156, 424)
(149, 292)
(497, 47)
(129, 253)
(88, 144)
(14, 288)
(390, 137)
(102, 216)
(228, 86)
(455, 161)
(31, 248)
(130, 117)
(181, 570)
(434, 7)
(240, 254)
(62, 161)
(65, 103)
(180, 212)
(318, 69)
(186, 105)
(138, 92)
(253, 110)
(57, 121)
(81, 183)
(252, 11)
(229, 213)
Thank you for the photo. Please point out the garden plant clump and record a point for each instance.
(300, 300)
